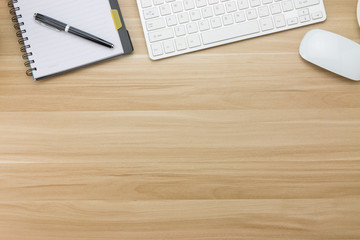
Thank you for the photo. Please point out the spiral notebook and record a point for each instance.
(49, 52)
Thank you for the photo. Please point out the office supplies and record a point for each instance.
(332, 52)
(49, 53)
(60, 26)
(174, 27)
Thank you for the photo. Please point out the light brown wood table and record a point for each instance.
(243, 141)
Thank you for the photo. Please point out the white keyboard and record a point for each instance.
(174, 27)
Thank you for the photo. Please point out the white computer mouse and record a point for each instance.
(332, 52)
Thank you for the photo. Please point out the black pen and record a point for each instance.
(60, 26)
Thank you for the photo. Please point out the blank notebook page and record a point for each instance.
(55, 52)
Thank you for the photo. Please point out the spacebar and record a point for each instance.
(237, 30)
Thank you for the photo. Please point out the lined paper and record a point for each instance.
(55, 52)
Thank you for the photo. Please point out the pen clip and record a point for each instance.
(45, 25)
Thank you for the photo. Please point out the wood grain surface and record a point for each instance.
(243, 141)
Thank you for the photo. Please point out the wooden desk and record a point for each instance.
(244, 141)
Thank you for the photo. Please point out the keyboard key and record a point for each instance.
(305, 3)
(158, 2)
(195, 15)
(275, 8)
(180, 44)
(230, 6)
(211, 2)
(263, 11)
(171, 20)
(316, 15)
(267, 1)
(207, 12)
(157, 49)
(165, 10)
(155, 24)
(200, 3)
(279, 21)
(177, 7)
(304, 11)
(189, 4)
(192, 28)
(228, 20)
(204, 25)
(194, 40)
(251, 14)
(287, 6)
(292, 21)
(151, 13)
(266, 24)
(243, 4)
(219, 9)
(161, 35)
(233, 31)
(146, 3)
(255, 3)
(180, 30)
(183, 17)
(239, 17)
(169, 46)
(215, 22)
(304, 18)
